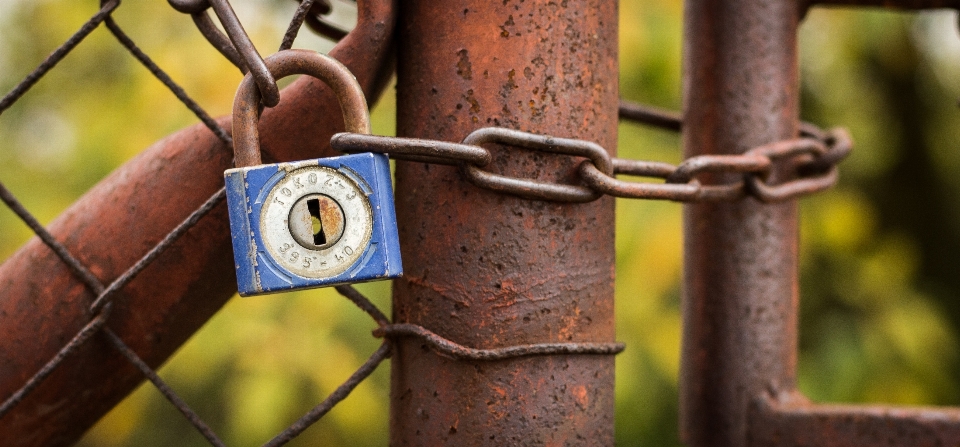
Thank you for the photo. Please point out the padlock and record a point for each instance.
(311, 223)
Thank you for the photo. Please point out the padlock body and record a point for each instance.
(313, 223)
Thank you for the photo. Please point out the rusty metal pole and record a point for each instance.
(740, 276)
(487, 270)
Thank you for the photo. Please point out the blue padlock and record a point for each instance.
(312, 223)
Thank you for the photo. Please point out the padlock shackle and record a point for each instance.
(246, 110)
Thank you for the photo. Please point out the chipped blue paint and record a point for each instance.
(258, 273)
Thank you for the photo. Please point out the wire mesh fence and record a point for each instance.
(101, 306)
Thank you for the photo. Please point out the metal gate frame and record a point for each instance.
(740, 287)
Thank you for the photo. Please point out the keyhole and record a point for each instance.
(319, 238)
(316, 221)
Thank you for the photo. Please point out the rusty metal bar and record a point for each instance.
(789, 420)
(893, 4)
(740, 273)
(489, 271)
(118, 221)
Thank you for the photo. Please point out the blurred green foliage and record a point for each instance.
(879, 252)
(879, 265)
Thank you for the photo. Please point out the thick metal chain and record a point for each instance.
(770, 173)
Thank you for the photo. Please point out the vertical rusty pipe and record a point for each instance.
(740, 275)
(487, 270)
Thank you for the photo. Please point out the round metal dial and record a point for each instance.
(324, 246)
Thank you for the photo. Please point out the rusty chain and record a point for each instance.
(808, 162)
(770, 173)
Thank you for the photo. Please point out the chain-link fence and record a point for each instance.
(100, 308)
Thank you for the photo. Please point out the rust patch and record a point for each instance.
(463, 65)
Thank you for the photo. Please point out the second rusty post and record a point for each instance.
(487, 270)
(740, 273)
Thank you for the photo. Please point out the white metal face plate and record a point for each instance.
(311, 263)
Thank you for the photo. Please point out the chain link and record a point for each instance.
(770, 173)
(530, 189)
